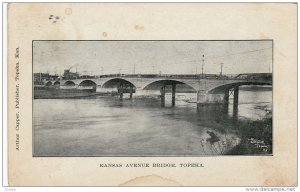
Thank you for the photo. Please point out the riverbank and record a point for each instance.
(256, 138)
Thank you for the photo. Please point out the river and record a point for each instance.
(106, 126)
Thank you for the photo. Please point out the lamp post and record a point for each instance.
(221, 69)
(202, 65)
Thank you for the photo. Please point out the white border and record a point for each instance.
(4, 97)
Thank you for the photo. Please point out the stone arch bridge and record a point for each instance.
(211, 89)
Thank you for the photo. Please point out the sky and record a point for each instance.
(152, 57)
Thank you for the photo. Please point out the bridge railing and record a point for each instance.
(245, 76)
(255, 76)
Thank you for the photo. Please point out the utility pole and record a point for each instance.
(134, 69)
(221, 69)
(76, 72)
(202, 64)
(101, 70)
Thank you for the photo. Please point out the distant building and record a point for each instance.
(70, 75)
(53, 77)
(40, 78)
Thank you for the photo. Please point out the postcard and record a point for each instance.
(152, 94)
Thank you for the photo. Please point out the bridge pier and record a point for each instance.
(121, 91)
(162, 95)
(235, 101)
(173, 94)
(226, 100)
(204, 98)
(131, 91)
(212, 106)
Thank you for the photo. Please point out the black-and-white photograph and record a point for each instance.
(152, 98)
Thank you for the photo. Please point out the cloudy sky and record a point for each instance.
(167, 57)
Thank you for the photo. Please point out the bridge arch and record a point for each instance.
(49, 83)
(69, 83)
(159, 83)
(88, 83)
(222, 88)
(112, 83)
(56, 83)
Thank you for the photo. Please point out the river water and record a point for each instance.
(106, 126)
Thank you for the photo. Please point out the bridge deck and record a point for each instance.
(183, 76)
